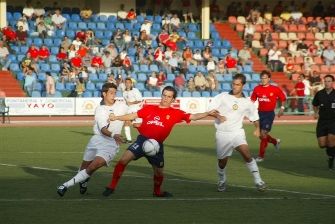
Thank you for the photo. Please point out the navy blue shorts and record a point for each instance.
(266, 119)
(137, 150)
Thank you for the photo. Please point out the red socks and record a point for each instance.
(262, 147)
(118, 170)
(158, 180)
(271, 140)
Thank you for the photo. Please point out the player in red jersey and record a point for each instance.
(267, 96)
(158, 121)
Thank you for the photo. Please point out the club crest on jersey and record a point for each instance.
(235, 106)
(167, 117)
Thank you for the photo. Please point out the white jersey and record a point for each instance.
(234, 109)
(132, 96)
(102, 113)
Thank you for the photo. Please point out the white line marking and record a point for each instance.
(50, 152)
(183, 180)
(153, 199)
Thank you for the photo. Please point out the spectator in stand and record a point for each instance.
(188, 56)
(28, 63)
(29, 81)
(21, 36)
(58, 20)
(41, 28)
(302, 48)
(175, 22)
(67, 73)
(127, 39)
(312, 26)
(131, 16)
(86, 14)
(43, 53)
(9, 34)
(308, 66)
(119, 40)
(152, 82)
(187, 11)
(39, 10)
(213, 83)
(211, 65)
(244, 56)
(147, 27)
(214, 10)
(289, 65)
(329, 55)
(293, 48)
(71, 52)
(83, 52)
(28, 10)
(179, 82)
(4, 59)
(159, 57)
(299, 92)
(197, 56)
(200, 82)
(49, 24)
(316, 83)
(23, 22)
(96, 63)
(66, 42)
(173, 65)
(33, 50)
(161, 80)
(112, 50)
(76, 43)
(80, 87)
(81, 34)
(321, 25)
(221, 66)
(266, 39)
(273, 59)
(83, 73)
(76, 62)
(127, 64)
(121, 13)
(191, 85)
(206, 54)
(50, 85)
(145, 39)
(249, 32)
(230, 63)
(107, 61)
(168, 53)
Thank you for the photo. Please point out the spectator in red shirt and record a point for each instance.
(33, 50)
(43, 53)
(81, 35)
(161, 77)
(299, 92)
(267, 96)
(21, 36)
(231, 63)
(76, 61)
(9, 33)
(158, 121)
(179, 82)
(97, 63)
(62, 55)
(131, 15)
(127, 64)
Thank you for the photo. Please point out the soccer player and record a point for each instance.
(133, 98)
(104, 144)
(267, 96)
(158, 121)
(324, 111)
(230, 135)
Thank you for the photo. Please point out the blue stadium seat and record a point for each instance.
(131, 51)
(191, 36)
(20, 57)
(223, 52)
(128, 26)
(102, 77)
(93, 77)
(158, 19)
(90, 86)
(247, 69)
(19, 75)
(246, 87)
(99, 34)
(119, 94)
(91, 26)
(53, 59)
(14, 67)
(9, 16)
(75, 18)
(36, 93)
(226, 44)
(41, 76)
(186, 94)
(60, 33)
(60, 86)
(215, 36)
(248, 77)
(196, 94)
(99, 85)
(136, 67)
(153, 68)
(101, 26)
(119, 25)
(17, 15)
(144, 68)
(38, 41)
(192, 69)
(228, 77)
(140, 86)
(57, 41)
(193, 27)
(216, 52)
(15, 49)
(82, 26)
(103, 18)
(97, 93)
(157, 94)
(170, 77)
(12, 58)
(189, 75)
(23, 49)
(58, 94)
(72, 25)
(70, 33)
(70, 86)
(140, 19)
(214, 93)
(198, 44)
(205, 94)
(255, 77)
(147, 93)
(217, 43)
(87, 94)
(202, 69)
(149, 17)
(112, 19)
(226, 87)
(253, 85)
(54, 50)
(142, 77)
(110, 27)
(156, 26)
(38, 86)
(45, 67)
(48, 42)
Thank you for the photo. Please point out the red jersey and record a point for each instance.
(158, 122)
(44, 53)
(300, 88)
(33, 52)
(267, 97)
(76, 62)
(96, 61)
(61, 56)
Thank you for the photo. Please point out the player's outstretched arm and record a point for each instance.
(126, 117)
(198, 116)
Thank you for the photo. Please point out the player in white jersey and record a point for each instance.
(104, 144)
(230, 135)
(133, 98)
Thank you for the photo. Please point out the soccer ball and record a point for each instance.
(150, 147)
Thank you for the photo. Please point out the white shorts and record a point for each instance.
(102, 147)
(226, 142)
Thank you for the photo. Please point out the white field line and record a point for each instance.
(320, 196)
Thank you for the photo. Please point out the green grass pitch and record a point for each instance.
(35, 160)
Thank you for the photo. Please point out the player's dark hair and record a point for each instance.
(241, 77)
(172, 89)
(329, 76)
(266, 72)
(106, 87)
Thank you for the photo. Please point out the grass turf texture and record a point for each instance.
(35, 160)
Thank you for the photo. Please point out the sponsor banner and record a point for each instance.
(86, 106)
(40, 106)
(194, 105)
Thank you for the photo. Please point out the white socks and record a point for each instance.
(81, 176)
(127, 132)
(221, 174)
(253, 168)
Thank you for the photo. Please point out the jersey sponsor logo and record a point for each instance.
(235, 106)
(264, 99)
(156, 122)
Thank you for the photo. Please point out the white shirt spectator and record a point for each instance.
(274, 54)
(58, 19)
(39, 11)
(146, 26)
(28, 11)
(175, 21)
(23, 22)
(77, 44)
